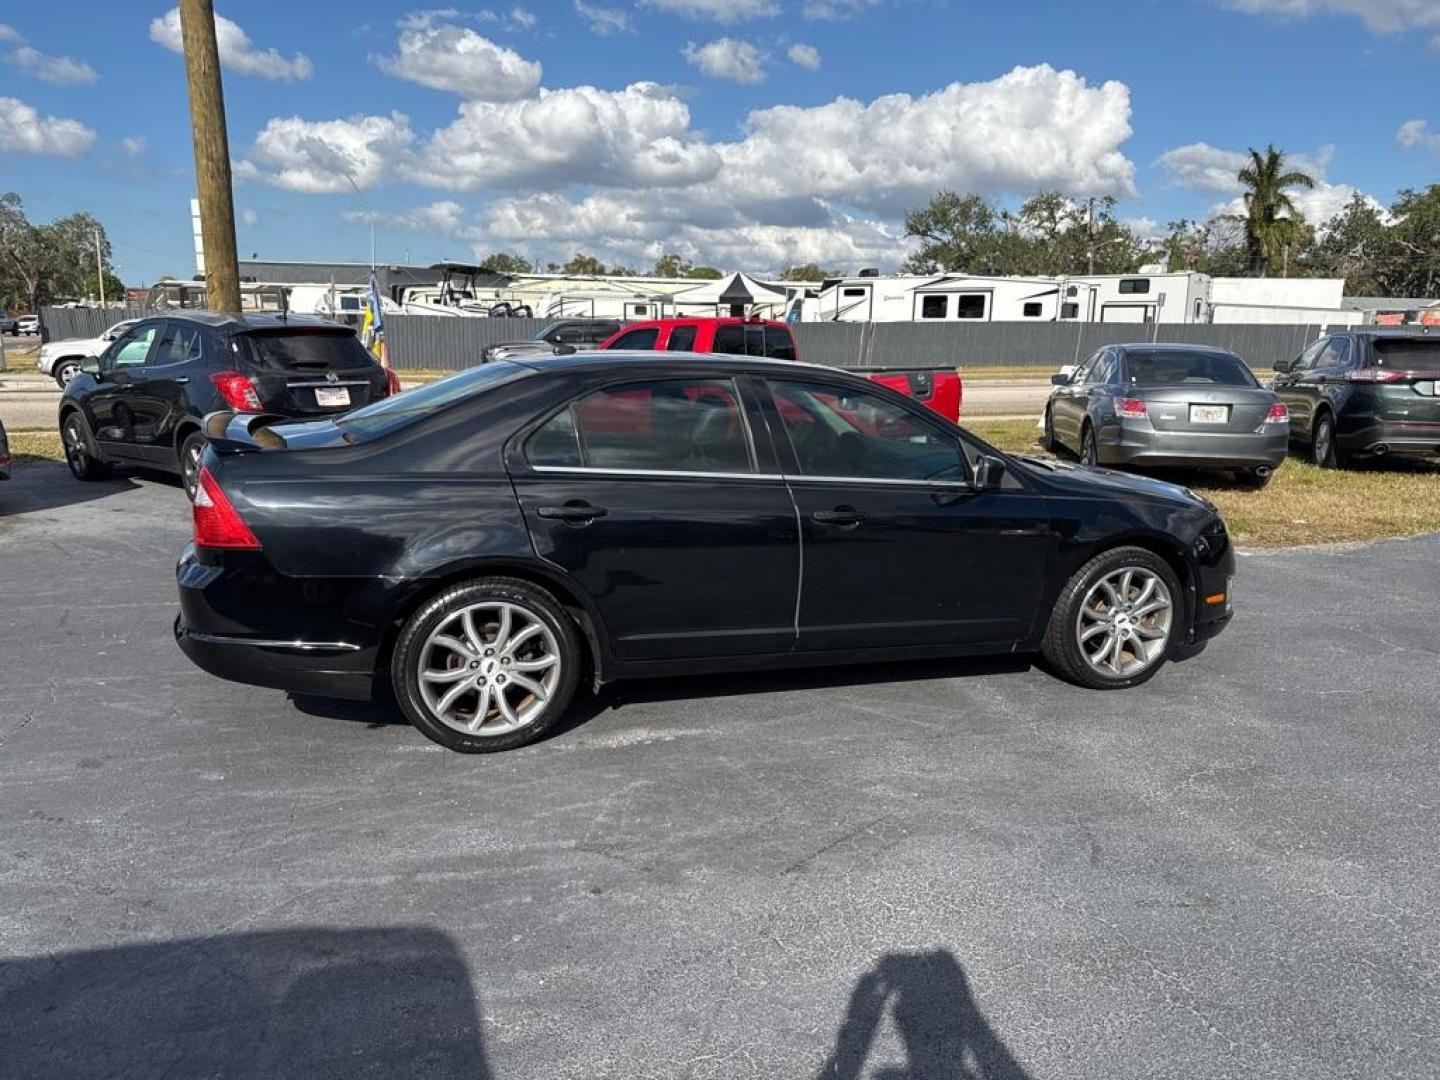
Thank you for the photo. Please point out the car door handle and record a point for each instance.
(844, 517)
(182, 379)
(575, 513)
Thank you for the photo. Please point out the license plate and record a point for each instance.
(329, 396)
(1209, 414)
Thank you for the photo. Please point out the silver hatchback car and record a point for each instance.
(1169, 405)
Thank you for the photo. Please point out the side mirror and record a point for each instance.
(565, 350)
(1060, 379)
(91, 366)
(1283, 365)
(989, 472)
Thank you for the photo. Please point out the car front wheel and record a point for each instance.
(1115, 621)
(488, 665)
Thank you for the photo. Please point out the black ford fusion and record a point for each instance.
(478, 546)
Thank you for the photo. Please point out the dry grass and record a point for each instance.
(1302, 504)
(26, 446)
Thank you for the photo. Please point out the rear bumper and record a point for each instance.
(304, 657)
(1397, 437)
(1225, 449)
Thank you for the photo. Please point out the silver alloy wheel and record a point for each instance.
(74, 444)
(1324, 434)
(68, 371)
(489, 668)
(1124, 624)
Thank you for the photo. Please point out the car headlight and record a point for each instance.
(1210, 545)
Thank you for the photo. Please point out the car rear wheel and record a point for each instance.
(488, 665)
(1323, 450)
(1089, 449)
(1115, 620)
(191, 451)
(80, 453)
(1051, 443)
(65, 372)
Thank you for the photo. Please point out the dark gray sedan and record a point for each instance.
(1168, 405)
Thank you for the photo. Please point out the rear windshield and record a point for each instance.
(306, 350)
(392, 413)
(1177, 368)
(1408, 354)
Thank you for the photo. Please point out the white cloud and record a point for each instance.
(9, 33)
(727, 58)
(1381, 16)
(237, 51)
(720, 11)
(317, 155)
(1209, 168)
(250, 218)
(522, 17)
(447, 217)
(61, 70)
(1417, 133)
(134, 145)
(837, 9)
(636, 137)
(807, 56)
(25, 131)
(456, 58)
(604, 21)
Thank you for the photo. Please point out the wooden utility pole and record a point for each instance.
(212, 154)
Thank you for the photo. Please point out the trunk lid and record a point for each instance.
(1206, 408)
(1406, 387)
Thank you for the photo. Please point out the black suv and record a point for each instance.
(144, 399)
(1372, 391)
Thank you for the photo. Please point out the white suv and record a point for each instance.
(61, 360)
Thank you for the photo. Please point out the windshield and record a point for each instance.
(1174, 367)
(392, 413)
(1408, 354)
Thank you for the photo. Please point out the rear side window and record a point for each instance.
(682, 339)
(729, 339)
(1179, 368)
(642, 338)
(671, 425)
(292, 350)
(779, 345)
(1408, 354)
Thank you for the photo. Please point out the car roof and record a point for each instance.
(713, 320)
(603, 360)
(1415, 333)
(253, 320)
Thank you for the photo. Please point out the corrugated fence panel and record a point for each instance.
(450, 344)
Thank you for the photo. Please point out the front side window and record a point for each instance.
(642, 338)
(671, 425)
(1334, 355)
(1307, 358)
(970, 306)
(847, 433)
(934, 307)
(131, 350)
(178, 344)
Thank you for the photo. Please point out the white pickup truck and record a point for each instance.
(61, 360)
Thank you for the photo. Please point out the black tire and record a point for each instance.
(192, 449)
(1061, 646)
(1048, 439)
(1323, 451)
(81, 455)
(65, 371)
(410, 653)
(1089, 448)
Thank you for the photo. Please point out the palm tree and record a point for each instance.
(1273, 223)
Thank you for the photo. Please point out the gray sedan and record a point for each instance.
(1168, 405)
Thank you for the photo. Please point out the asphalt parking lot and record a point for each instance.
(940, 870)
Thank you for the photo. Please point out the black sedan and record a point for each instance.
(481, 544)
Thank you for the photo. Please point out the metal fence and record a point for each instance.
(450, 344)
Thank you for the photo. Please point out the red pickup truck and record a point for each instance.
(938, 389)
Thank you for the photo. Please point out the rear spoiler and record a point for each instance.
(242, 433)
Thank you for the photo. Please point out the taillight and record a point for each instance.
(1278, 414)
(217, 523)
(237, 390)
(392, 383)
(1132, 408)
(1374, 374)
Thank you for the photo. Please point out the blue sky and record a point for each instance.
(740, 133)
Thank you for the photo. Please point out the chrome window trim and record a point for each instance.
(961, 484)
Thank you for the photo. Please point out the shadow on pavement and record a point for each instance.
(941, 1030)
(291, 1003)
(47, 485)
